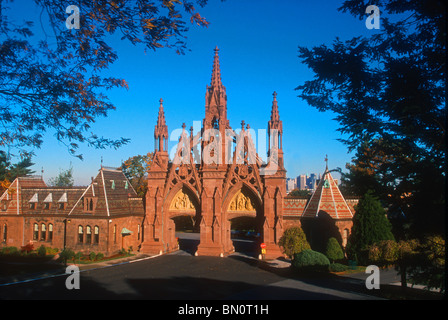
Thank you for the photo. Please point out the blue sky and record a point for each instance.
(258, 41)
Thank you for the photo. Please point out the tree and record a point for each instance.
(135, 169)
(388, 93)
(8, 171)
(370, 226)
(334, 251)
(63, 179)
(293, 241)
(296, 193)
(57, 82)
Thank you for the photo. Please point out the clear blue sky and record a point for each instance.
(258, 42)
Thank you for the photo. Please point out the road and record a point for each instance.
(182, 276)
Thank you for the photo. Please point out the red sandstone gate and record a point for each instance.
(228, 180)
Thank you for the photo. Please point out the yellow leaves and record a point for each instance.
(148, 24)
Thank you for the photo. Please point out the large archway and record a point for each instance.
(184, 217)
(244, 213)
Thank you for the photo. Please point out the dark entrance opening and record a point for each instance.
(245, 235)
(187, 233)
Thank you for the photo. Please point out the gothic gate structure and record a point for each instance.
(215, 176)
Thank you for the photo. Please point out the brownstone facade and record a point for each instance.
(105, 216)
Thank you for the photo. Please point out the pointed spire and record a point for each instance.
(326, 163)
(215, 96)
(161, 129)
(216, 73)
(275, 122)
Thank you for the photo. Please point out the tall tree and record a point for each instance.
(8, 171)
(56, 81)
(135, 169)
(388, 93)
(370, 225)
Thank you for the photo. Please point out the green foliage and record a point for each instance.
(430, 268)
(337, 267)
(66, 255)
(63, 179)
(10, 251)
(370, 225)
(99, 256)
(42, 251)
(334, 251)
(59, 82)
(293, 241)
(310, 260)
(92, 256)
(388, 93)
(297, 193)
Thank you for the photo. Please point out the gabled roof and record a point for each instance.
(327, 199)
(114, 193)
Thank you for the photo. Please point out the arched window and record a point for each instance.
(88, 234)
(36, 231)
(345, 235)
(115, 233)
(138, 232)
(50, 232)
(80, 234)
(5, 232)
(43, 232)
(91, 205)
(96, 238)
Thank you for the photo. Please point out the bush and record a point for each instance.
(334, 251)
(42, 251)
(10, 250)
(338, 267)
(310, 260)
(293, 241)
(66, 254)
(99, 256)
(27, 248)
(92, 256)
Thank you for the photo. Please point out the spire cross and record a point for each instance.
(242, 124)
(275, 95)
(326, 161)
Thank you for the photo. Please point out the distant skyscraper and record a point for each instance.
(290, 184)
(301, 182)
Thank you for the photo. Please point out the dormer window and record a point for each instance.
(47, 202)
(126, 185)
(89, 204)
(34, 199)
(62, 202)
(113, 184)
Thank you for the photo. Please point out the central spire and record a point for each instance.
(216, 97)
(216, 73)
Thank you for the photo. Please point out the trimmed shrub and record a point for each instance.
(99, 256)
(310, 260)
(334, 251)
(42, 251)
(92, 256)
(293, 241)
(66, 254)
(338, 267)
